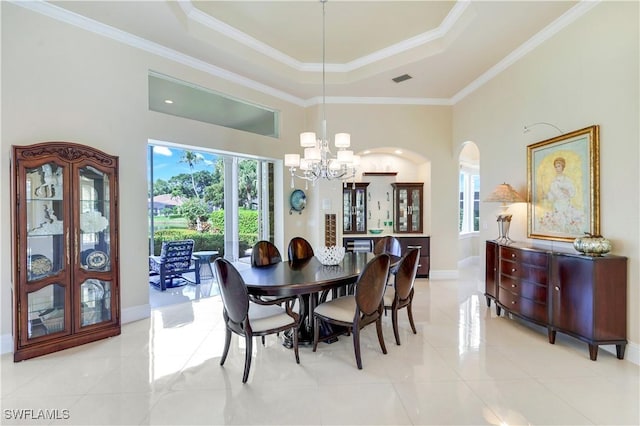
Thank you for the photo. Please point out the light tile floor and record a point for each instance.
(465, 366)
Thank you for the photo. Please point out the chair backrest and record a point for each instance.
(389, 245)
(300, 249)
(406, 274)
(176, 255)
(371, 284)
(233, 291)
(265, 253)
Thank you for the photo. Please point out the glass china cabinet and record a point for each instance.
(408, 207)
(66, 286)
(354, 208)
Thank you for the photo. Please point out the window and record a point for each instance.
(469, 201)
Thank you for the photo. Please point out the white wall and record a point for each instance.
(587, 74)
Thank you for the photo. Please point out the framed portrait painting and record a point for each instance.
(563, 186)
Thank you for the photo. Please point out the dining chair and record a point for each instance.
(354, 312)
(265, 253)
(247, 318)
(390, 245)
(299, 249)
(401, 294)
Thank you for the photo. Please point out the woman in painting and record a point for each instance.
(563, 217)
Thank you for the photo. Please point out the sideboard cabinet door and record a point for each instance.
(588, 300)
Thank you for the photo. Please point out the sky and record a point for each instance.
(166, 162)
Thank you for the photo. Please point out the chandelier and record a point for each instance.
(318, 162)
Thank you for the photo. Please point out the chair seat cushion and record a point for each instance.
(269, 317)
(340, 309)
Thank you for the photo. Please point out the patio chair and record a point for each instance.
(176, 258)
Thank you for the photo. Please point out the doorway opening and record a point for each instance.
(223, 202)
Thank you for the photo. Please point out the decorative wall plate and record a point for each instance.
(298, 201)
(38, 266)
(97, 260)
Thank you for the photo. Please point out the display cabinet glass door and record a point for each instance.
(354, 202)
(44, 259)
(408, 207)
(94, 246)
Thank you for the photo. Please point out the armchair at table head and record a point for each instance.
(357, 311)
(176, 258)
(401, 294)
(299, 249)
(265, 253)
(245, 318)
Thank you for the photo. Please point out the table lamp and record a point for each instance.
(504, 194)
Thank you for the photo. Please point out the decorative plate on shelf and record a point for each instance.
(298, 201)
(97, 260)
(38, 266)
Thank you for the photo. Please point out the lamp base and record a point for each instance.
(504, 222)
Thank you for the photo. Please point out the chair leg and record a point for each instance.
(294, 331)
(247, 358)
(163, 284)
(263, 340)
(316, 332)
(380, 337)
(356, 346)
(410, 313)
(227, 343)
(394, 321)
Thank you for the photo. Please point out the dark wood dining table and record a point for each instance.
(305, 279)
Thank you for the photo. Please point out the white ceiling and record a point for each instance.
(276, 46)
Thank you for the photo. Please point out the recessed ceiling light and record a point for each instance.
(397, 151)
(168, 101)
(367, 152)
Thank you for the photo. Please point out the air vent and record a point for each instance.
(401, 78)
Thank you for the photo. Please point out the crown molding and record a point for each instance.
(447, 24)
(63, 15)
(550, 30)
(91, 25)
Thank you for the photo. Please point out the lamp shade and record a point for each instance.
(345, 156)
(343, 140)
(292, 160)
(307, 139)
(504, 193)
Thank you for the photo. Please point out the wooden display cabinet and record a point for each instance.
(408, 207)
(65, 248)
(354, 208)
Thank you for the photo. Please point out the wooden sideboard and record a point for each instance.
(582, 296)
(366, 243)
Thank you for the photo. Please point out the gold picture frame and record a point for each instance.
(563, 186)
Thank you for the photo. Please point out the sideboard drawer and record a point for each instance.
(524, 256)
(527, 308)
(523, 271)
(526, 289)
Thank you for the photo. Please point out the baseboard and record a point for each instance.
(444, 274)
(128, 315)
(135, 313)
(6, 344)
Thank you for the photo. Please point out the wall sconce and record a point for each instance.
(504, 194)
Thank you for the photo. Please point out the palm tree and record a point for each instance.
(191, 158)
